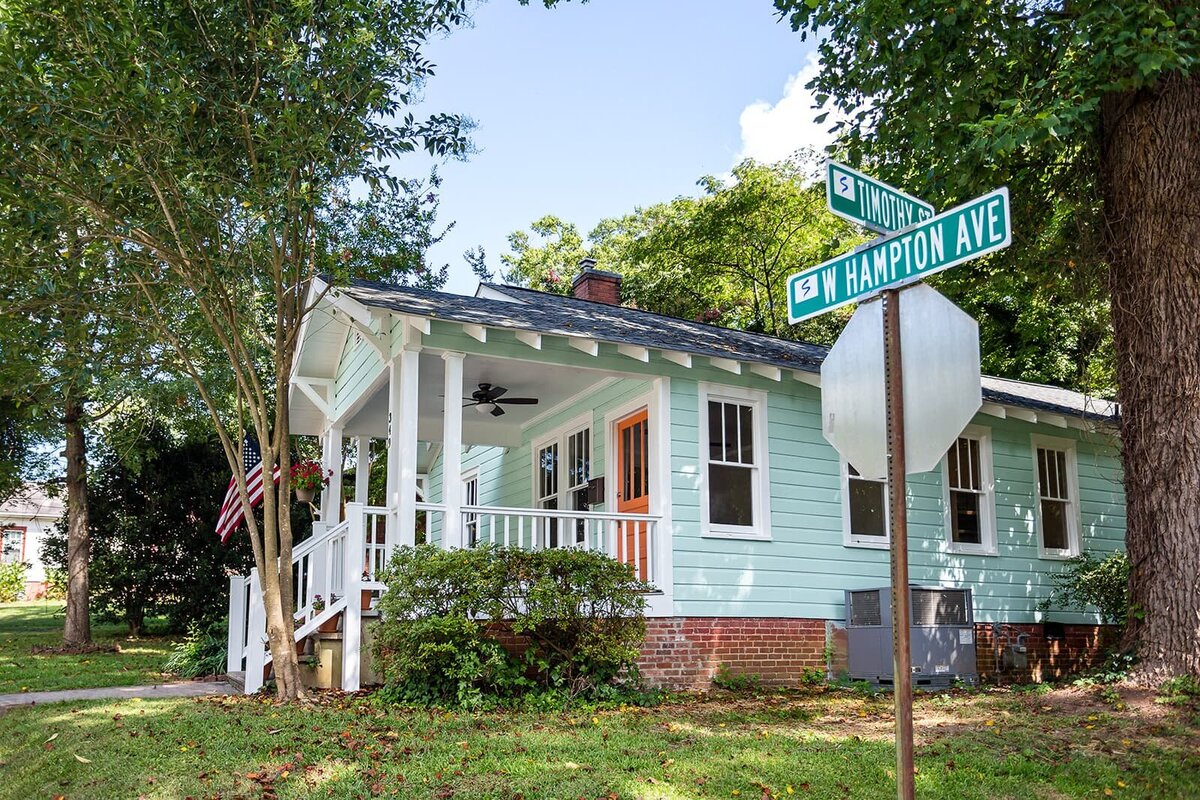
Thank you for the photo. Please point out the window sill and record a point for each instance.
(1056, 556)
(971, 551)
(884, 545)
(747, 535)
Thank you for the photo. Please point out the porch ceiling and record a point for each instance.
(550, 384)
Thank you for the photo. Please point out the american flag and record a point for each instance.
(231, 510)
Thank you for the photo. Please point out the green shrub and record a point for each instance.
(56, 584)
(1088, 582)
(732, 681)
(581, 612)
(203, 651)
(12, 581)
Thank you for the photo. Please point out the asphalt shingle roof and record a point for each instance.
(560, 315)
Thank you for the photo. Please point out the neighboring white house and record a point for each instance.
(24, 520)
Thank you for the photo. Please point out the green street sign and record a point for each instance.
(974, 229)
(869, 202)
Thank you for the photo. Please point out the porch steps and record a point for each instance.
(237, 680)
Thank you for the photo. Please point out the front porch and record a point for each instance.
(586, 465)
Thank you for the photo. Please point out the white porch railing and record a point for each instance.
(629, 538)
(344, 563)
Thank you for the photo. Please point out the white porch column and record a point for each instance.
(452, 489)
(402, 448)
(362, 473)
(331, 495)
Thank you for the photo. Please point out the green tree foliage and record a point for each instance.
(208, 144)
(154, 502)
(721, 258)
(1090, 113)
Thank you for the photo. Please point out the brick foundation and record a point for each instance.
(1067, 650)
(685, 652)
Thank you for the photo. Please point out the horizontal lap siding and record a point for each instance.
(803, 571)
(359, 364)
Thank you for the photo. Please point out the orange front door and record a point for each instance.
(633, 490)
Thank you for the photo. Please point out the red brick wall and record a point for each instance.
(684, 652)
(1081, 647)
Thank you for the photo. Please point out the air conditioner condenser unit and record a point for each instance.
(942, 634)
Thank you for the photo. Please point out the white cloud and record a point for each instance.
(771, 133)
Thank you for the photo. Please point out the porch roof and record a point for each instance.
(542, 312)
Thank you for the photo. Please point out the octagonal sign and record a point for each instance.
(939, 346)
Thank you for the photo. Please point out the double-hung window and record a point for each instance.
(734, 459)
(1057, 496)
(969, 493)
(864, 508)
(13, 550)
(561, 471)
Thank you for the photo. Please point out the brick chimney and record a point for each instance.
(596, 284)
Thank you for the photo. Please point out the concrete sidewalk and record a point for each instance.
(188, 689)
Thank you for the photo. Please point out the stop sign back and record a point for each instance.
(940, 348)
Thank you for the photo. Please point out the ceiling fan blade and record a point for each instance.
(488, 391)
(519, 401)
(497, 412)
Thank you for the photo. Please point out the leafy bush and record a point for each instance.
(580, 611)
(12, 581)
(56, 584)
(204, 651)
(732, 681)
(1090, 582)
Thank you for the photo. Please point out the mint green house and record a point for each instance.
(692, 452)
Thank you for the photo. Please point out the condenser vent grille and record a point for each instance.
(939, 607)
(864, 608)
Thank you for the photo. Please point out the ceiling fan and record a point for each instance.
(487, 399)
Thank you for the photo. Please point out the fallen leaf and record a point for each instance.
(81, 759)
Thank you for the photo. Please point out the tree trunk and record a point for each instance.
(1150, 172)
(78, 628)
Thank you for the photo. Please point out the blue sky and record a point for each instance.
(588, 110)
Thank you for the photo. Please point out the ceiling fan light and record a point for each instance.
(485, 408)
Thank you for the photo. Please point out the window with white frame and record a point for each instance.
(733, 422)
(470, 483)
(969, 493)
(562, 469)
(14, 545)
(1058, 496)
(864, 508)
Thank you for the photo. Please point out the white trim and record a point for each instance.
(306, 388)
(676, 357)
(452, 436)
(611, 418)
(589, 346)
(767, 371)
(558, 435)
(659, 464)
(1066, 446)
(635, 352)
(419, 324)
(1022, 414)
(987, 483)
(849, 539)
(466, 476)
(760, 478)
(811, 378)
(476, 332)
(727, 364)
(993, 410)
(570, 402)
(529, 339)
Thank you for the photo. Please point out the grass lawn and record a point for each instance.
(24, 626)
(819, 744)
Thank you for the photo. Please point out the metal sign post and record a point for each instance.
(893, 368)
(917, 243)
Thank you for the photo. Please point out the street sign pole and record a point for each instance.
(893, 368)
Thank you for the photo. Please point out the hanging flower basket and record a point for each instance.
(308, 478)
